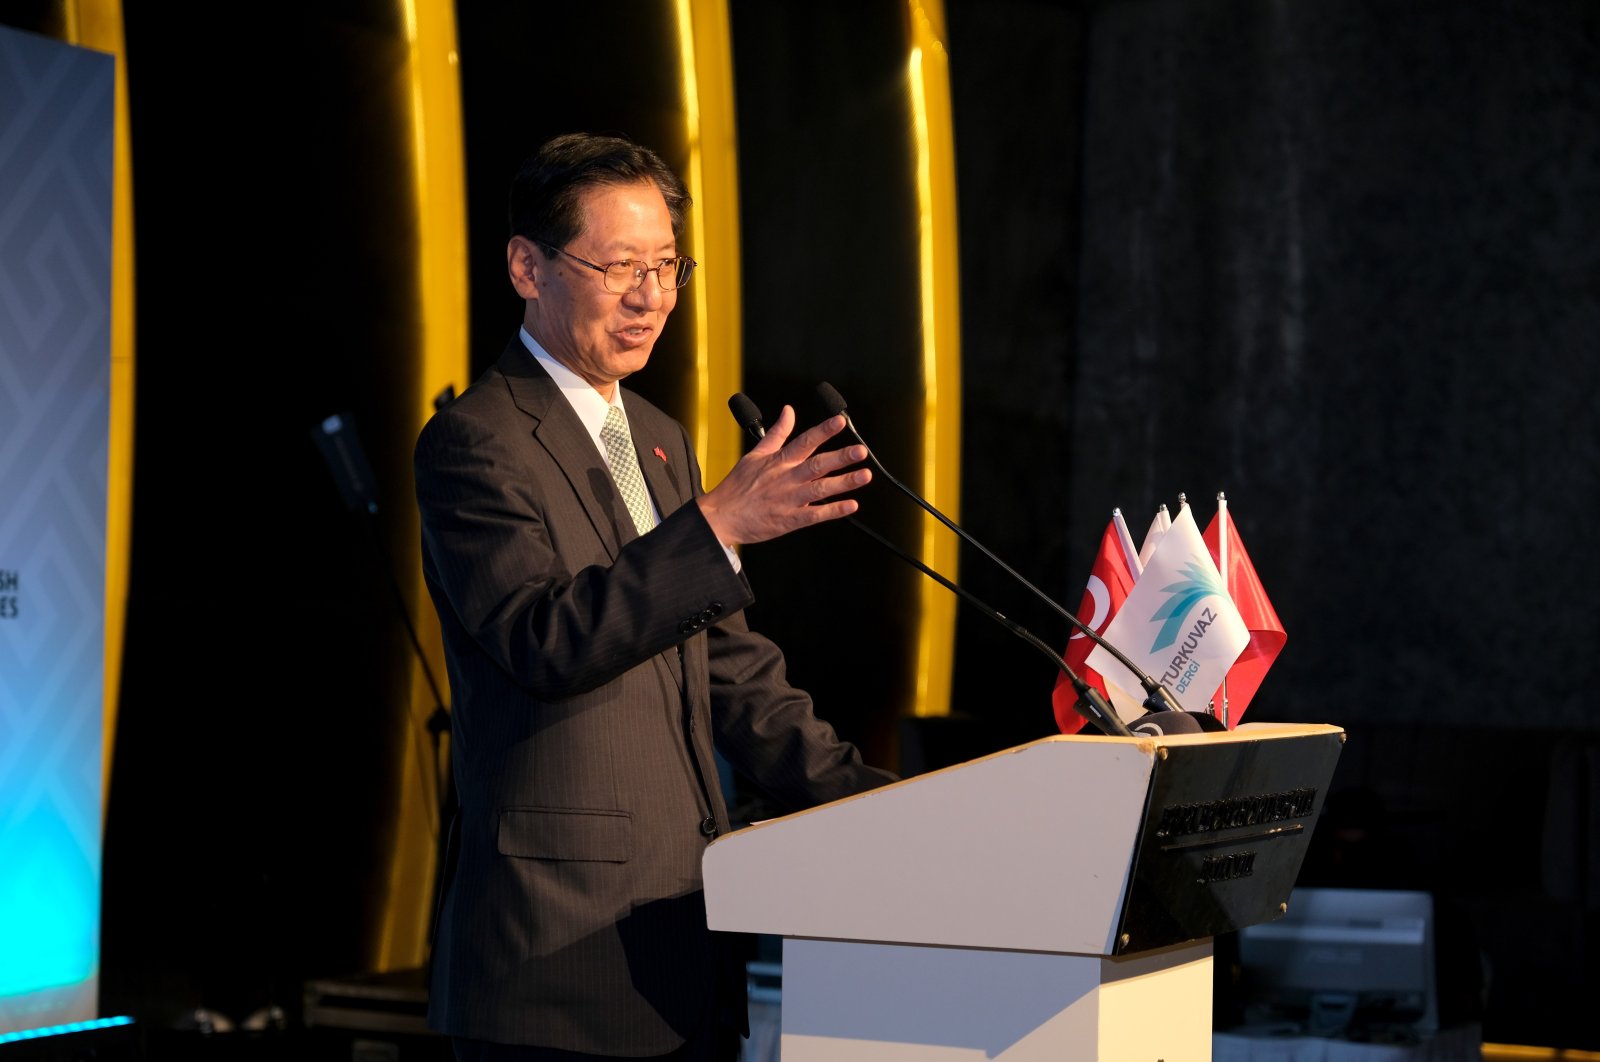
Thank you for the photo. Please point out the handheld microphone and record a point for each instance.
(1092, 704)
(1157, 697)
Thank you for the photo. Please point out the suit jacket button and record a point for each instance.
(712, 611)
(687, 627)
(708, 826)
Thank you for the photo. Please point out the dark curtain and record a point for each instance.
(1338, 260)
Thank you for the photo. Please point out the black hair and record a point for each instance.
(546, 190)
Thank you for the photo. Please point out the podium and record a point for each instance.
(1055, 900)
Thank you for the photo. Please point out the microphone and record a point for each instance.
(747, 415)
(1166, 723)
(335, 437)
(1157, 697)
(1091, 704)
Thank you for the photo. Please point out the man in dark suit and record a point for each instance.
(590, 601)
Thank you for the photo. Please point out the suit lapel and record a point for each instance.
(558, 429)
(656, 463)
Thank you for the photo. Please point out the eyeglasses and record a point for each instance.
(625, 277)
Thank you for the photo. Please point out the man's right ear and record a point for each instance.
(522, 265)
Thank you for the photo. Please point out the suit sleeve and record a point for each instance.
(508, 548)
(769, 730)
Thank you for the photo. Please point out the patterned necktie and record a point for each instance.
(624, 462)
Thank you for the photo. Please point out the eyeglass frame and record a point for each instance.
(639, 274)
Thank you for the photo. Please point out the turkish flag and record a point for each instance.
(1110, 581)
(1260, 618)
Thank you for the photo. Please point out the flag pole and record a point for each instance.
(1227, 578)
(1130, 555)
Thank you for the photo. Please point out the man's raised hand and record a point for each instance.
(784, 484)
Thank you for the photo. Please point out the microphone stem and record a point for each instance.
(1091, 703)
(1098, 711)
(1157, 697)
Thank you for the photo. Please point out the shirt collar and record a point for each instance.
(580, 395)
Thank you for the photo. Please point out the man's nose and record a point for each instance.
(649, 294)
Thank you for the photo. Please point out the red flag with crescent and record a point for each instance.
(1110, 581)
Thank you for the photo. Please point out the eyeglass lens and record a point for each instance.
(624, 277)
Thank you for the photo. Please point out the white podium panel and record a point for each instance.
(1052, 901)
(846, 1002)
(1029, 849)
(933, 859)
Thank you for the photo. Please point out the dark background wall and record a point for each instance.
(1334, 258)
(1338, 260)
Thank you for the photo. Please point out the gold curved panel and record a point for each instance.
(713, 179)
(433, 106)
(928, 78)
(97, 24)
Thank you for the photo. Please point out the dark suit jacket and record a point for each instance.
(590, 671)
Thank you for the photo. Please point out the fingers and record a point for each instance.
(832, 460)
(802, 449)
(818, 475)
(828, 486)
(783, 484)
(805, 444)
(776, 435)
(821, 513)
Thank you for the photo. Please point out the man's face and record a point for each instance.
(598, 334)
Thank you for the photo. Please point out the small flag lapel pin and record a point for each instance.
(659, 452)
